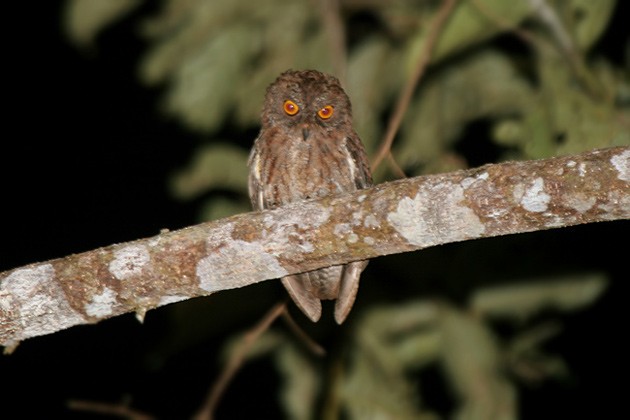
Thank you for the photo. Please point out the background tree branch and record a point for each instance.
(395, 217)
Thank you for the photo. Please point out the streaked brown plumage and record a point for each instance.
(307, 148)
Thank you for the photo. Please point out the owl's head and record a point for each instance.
(306, 101)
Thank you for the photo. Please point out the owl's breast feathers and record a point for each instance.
(287, 168)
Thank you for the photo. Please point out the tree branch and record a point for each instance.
(395, 217)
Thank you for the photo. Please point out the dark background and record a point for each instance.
(85, 160)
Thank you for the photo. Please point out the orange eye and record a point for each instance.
(290, 107)
(326, 112)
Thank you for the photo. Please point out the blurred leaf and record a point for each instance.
(202, 93)
(587, 19)
(301, 381)
(474, 367)
(525, 299)
(484, 85)
(218, 57)
(389, 341)
(528, 361)
(374, 76)
(219, 165)
(574, 121)
(85, 19)
(467, 26)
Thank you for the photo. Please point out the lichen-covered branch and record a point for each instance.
(395, 217)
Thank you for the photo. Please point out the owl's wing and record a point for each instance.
(254, 183)
(359, 162)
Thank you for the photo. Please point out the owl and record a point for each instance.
(306, 149)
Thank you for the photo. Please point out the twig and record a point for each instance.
(568, 48)
(119, 410)
(564, 43)
(405, 97)
(398, 171)
(236, 360)
(549, 17)
(500, 22)
(299, 332)
(334, 27)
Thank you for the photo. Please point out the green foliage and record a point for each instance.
(216, 59)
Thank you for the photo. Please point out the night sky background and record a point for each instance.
(86, 157)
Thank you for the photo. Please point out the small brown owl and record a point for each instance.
(307, 148)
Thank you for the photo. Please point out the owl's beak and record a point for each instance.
(305, 133)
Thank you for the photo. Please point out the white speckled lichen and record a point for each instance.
(129, 261)
(622, 202)
(467, 182)
(371, 221)
(345, 230)
(217, 271)
(342, 229)
(41, 301)
(283, 228)
(534, 199)
(102, 304)
(621, 163)
(353, 238)
(318, 215)
(435, 214)
(580, 202)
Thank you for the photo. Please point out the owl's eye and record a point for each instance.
(290, 107)
(326, 112)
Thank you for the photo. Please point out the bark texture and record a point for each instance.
(395, 217)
